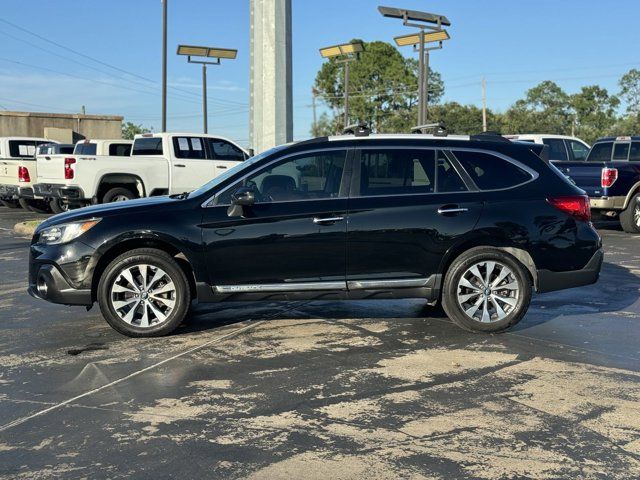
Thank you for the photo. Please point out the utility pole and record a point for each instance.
(346, 94)
(204, 98)
(164, 65)
(313, 106)
(484, 105)
(425, 104)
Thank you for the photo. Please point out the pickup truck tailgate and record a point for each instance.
(586, 175)
(8, 171)
(51, 168)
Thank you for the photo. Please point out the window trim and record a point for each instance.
(175, 142)
(343, 194)
(211, 153)
(567, 142)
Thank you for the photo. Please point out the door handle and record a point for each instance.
(445, 210)
(179, 165)
(327, 220)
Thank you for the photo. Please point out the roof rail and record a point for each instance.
(357, 129)
(437, 129)
(489, 137)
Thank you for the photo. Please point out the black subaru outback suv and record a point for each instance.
(477, 223)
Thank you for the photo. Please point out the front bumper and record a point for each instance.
(64, 192)
(549, 281)
(607, 203)
(62, 273)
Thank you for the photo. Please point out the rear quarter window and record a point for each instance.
(120, 149)
(22, 148)
(634, 152)
(620, 151)
(490, 172)
(85, 149)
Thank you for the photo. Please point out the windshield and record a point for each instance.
(234, 170)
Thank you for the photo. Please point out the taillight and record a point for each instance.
(23, 174)
(576, 205)
(608, 176)
(68, 168)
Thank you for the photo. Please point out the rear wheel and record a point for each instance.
(144, 293)
(58, 206)
(10, 203)
(118, 194)
(36, 206)
(630, 217)
(486, 290)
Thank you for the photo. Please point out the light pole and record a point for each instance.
(207, 52)
(426, 34)
(349, 52)
(164, 65)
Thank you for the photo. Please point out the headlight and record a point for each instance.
(66, 232)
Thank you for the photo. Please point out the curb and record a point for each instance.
(23, 228)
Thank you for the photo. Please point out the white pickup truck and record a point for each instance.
(159, 164)
(17, 167)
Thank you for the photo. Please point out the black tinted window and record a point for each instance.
(447, 179)
(577, 151)
(306, 177)
(634, 153)
(147, 146)
(620, 151)
(221, 150)
(85, 149)
(22, 148)
(600, 152)
(65, 149)
(556, 148)
(120, 149)
(490, 172)
(189, 147)
(396, 172)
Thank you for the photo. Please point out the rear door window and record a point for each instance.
(447, 178)
(147, 146)
(223, 150)
(577, 151)
(557, 150)
(120, 149)
(490, 172)
(600, 152)
(85, 149)
(397, 172)
(620, 151)
(189, 148)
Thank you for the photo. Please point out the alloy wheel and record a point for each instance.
(488, 291)
(120, 198)
(143, 295)
(636, 215)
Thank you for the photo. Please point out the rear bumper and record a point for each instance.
(607, 203)
(549, 281)
(64, 192)
(9, 191)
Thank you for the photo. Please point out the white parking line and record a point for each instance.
(22, 420)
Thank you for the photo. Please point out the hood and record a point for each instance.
(108, 210)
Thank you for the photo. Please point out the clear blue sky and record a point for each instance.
(515, 44)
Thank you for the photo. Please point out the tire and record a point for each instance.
(512, 303)
(118, 194)
(58, 206)
(10, 203)
(176, 298)
(630, 216)
(36, 206)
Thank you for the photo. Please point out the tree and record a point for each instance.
(463, 119)
(383, 89)
(546, 108)
(129, 130)
(595, 112)
(323, 127)
(630, 91)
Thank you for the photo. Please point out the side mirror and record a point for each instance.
(252, 152)
(242, 197)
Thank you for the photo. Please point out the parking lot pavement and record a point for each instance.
(378, 389)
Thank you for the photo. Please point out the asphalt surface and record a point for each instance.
(340, 390)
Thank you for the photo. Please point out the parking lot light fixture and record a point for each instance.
(203, 53)
(430, 30)
(348, 53)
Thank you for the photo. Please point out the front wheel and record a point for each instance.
(630, 216)
(144, 293)
(486, 290)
